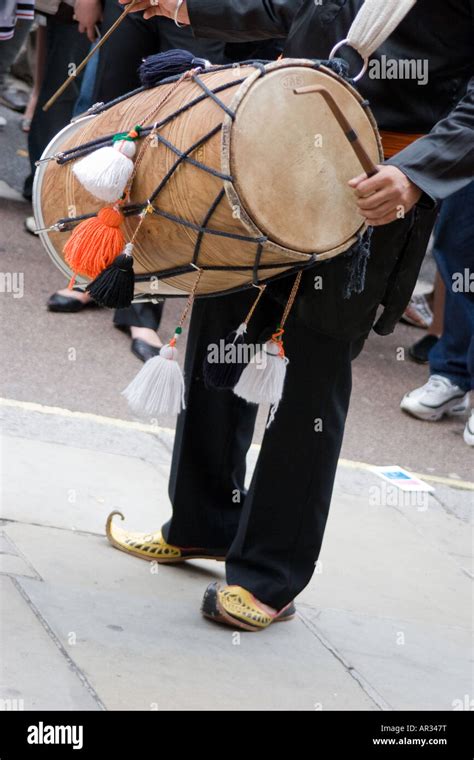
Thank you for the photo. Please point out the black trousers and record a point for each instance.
(64, 47)
(271, 535)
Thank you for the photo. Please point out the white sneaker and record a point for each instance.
(469, 430)
(437, 397)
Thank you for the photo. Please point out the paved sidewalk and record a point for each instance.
(384, 623)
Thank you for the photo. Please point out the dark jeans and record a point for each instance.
(453, 355)
(64, 46)
(271, 535)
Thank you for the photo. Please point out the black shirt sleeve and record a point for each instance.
(443, 162)
(242, 20)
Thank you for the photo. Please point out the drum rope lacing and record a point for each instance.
(338, 65)
(71, 154)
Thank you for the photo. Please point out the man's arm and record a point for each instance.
(228, 20)
(242, 20)
(443, 162)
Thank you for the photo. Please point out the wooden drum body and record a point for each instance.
(260, 190)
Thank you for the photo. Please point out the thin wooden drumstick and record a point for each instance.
(86, 60)
(367, 164)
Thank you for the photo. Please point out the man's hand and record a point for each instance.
(88, 13)
(161, 8)
(386, 196)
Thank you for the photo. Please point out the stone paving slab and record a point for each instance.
(140, 641)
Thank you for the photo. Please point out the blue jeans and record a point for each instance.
(86, 93)
(453, 355)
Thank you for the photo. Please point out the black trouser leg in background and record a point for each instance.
(64, 46)
(139, 315)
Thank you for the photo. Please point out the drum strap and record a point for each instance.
(375, 22)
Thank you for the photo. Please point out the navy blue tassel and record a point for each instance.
(357, 266)
(114, 286)
(225, 375)
(160, 66)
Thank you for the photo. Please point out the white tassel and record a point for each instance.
(106, 172)
(159, 386)
(263, 379)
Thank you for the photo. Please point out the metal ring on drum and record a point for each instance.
(365, 64)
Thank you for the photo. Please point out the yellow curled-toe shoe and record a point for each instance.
(152, 546)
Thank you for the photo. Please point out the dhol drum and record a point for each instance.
(247, 179)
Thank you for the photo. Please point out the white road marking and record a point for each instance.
(32, 406)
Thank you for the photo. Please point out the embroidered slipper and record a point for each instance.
(238, 608)
(152, 546)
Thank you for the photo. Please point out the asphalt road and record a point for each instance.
(37, 348)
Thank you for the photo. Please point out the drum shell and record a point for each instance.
(164, 246)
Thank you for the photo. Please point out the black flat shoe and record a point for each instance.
(68, 304)
(144, 350)
(419, 352)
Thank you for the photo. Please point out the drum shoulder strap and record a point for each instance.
(375, 22)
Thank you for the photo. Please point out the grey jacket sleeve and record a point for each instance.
(242, 20)
(443, 162)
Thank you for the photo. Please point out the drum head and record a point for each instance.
(290, 160)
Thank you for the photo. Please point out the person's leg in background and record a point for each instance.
(86, 94)
(38, 73)
(453, 251)
(453, 356)
(65, 46)
(141, 321)
(469, 429)
(419, 351)
(9, 50)
(451, 374)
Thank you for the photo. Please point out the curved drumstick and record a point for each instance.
(83, 63)
(367, 164)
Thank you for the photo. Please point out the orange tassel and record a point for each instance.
(95, 243)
